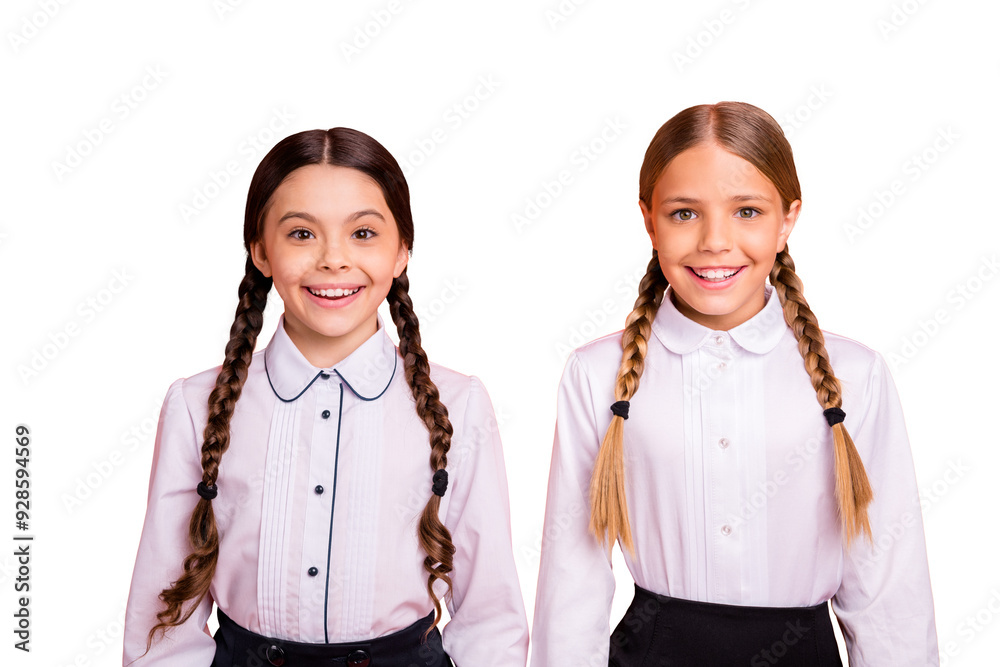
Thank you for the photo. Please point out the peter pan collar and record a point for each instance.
(759, 334)
(367, 371)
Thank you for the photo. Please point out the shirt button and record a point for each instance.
(325, 376)
(319, 489)
(326, 414)
(312, 571)
(723, 442)
(726, 530)
(719, 340)
(721, 366)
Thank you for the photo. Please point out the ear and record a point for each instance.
(647, 218)
(402, 259)
(788, 223)
(259, 258)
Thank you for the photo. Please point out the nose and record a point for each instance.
(334, 256)
(716, 233)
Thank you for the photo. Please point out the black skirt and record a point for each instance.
(235, 646)
(661, 631)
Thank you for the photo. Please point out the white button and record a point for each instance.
(726, 530)
(723, 442)
(722, 365)
(719, 340)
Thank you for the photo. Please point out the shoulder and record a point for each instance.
(850, 358)
(195, 389)
(456, 389)
(598, 355)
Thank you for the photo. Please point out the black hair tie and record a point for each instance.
(207, 492)
(620, 409)
(834, 415)
(440, 482)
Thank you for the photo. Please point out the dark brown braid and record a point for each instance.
(608, 506)
(199, 566)
(854, 492)
(434, 536)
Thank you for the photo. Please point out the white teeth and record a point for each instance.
(717, 274)
(333, 292)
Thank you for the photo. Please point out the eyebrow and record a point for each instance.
(311, 218)
(734, 198)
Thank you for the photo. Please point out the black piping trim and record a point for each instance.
(395, 364)
(333, 504)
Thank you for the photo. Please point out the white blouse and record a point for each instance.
(320, 496)
(729, 484)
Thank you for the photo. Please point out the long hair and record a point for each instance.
(752, 134)
(342, 147)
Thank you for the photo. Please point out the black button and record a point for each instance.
(325, 376)
(312, 571)
(275, 655)
(319, 488)
(358, 659)
(326, 414)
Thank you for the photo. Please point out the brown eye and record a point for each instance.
(683, 214)
(748, 213)
(300, 234)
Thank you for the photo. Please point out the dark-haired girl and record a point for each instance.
(325, 492)
(735, 487)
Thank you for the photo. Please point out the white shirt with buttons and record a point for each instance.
(320, 495)
(729, 483)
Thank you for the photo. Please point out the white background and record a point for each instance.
(862, 89)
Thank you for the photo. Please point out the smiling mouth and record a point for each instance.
(333, 294)
(716, 275)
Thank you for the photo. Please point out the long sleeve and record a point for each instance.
(488, 624)
(884, 603)
(176, 471)
(575, 583)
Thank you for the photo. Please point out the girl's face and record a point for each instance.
(713, 215)
(332, 248)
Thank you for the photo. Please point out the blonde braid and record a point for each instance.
(608, 506)
(854, 492)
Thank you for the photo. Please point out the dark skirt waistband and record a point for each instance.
(235, 646)
(661, 631)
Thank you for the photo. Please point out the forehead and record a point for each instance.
(327, 191)
(708, 170)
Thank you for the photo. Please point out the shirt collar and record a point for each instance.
(760, 334)
(367, 371)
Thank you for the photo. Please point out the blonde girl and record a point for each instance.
(752, 466)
